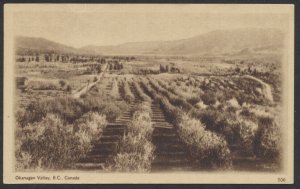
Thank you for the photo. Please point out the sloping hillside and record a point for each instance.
(216, 42)
(41, 45)
(239, 41)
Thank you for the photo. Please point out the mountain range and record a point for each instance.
(237, 41)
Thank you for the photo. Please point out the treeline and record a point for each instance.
(115, 65)
(60, 58)
(70, 58)
(168, 68)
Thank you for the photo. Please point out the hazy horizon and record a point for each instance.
(111, 26)
(134, 41)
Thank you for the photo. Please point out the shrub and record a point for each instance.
(91, 123)
(235, 128)
(219, 121)
(245, 112)
(50, 144)
(144, 107)
(267, 143)
(174, 99)
(194, 100)
(172, 113)
(95, 79)
(112, 111)
(200, 105)
(105, 106)
(33, 112)
(62, 83)
(42, 85)
(68, 108)
(207, 117)
(23, 159)
(69, 89)
(147, 89)
(247, 135)
(141, 125)
(188, 94)
(207, 148)
(136, 154)
(233, 103)
(141, 93)
(128, 96)
(228, 126)
(115, 89)
(209, 98)
(135, 150)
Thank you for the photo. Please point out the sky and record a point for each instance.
(83, 25)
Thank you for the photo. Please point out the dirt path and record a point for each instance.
(171, 153)
(77, 94)
(266, 88)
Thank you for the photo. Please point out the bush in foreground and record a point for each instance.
(132, 162)
(136, 154)
(69, 109)
(141, 125)
(135, 150)
(222, 122)
(49, 144)
(208, 149)
(92, 124)
(247, 135)
(268, 139)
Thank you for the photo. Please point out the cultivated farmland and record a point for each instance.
(148, 113)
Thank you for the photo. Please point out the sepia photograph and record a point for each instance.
(132, 93)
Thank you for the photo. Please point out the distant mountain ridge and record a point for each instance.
(41, 45)
(249, 40)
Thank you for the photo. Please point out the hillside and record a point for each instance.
(239, 41)
(41, 45)
(215, 42)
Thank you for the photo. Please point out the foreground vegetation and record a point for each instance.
(220, 116)
(220, 125)
(66, 126)
(135, 150)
